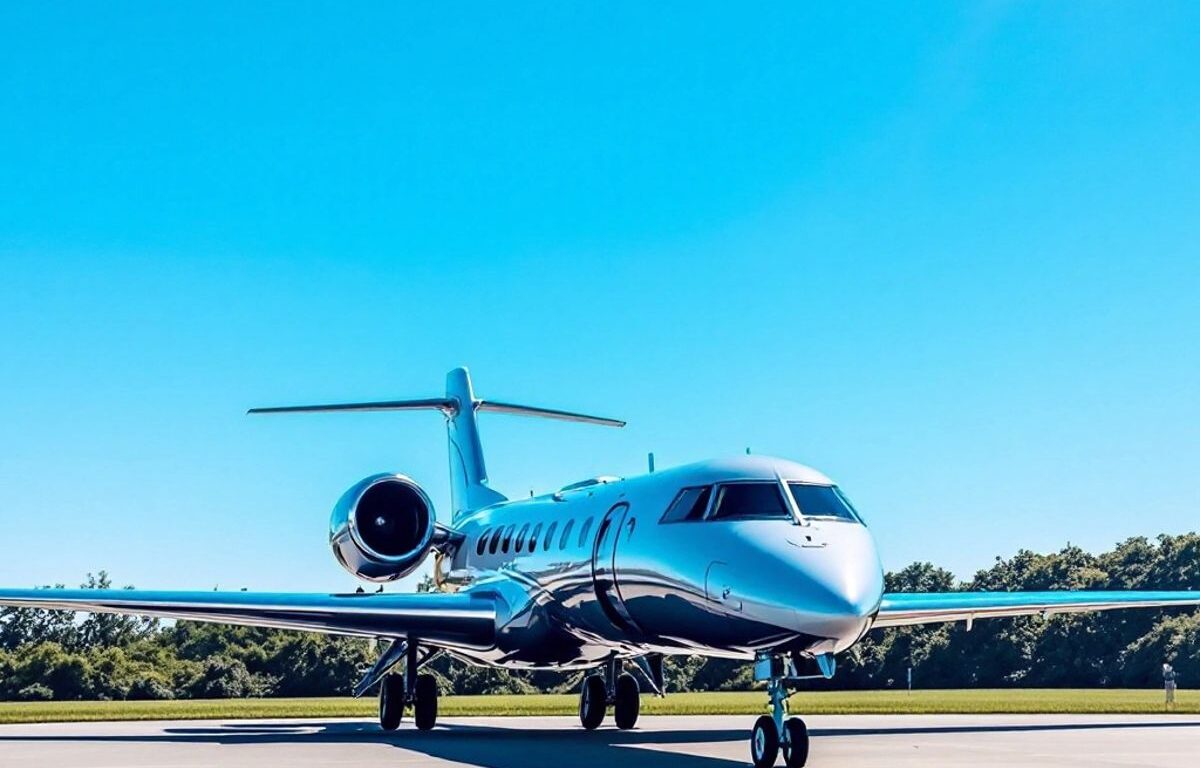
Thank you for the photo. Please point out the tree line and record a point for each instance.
(48, 655)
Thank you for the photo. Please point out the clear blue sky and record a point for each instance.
(947, 253)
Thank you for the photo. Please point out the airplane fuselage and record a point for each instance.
(606, 575)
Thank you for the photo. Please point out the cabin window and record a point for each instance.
(495, 543)
(750, 501)
(508, 534)
(520, 543)
(534, 536)
(690, 504)
(562, 543)
(549, 536)
(482, 543)
(583, 532)
(822, 501)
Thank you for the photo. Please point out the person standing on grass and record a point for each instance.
(1169, 683)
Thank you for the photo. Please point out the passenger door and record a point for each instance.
(617, 523)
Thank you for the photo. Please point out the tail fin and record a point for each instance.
(469, 488)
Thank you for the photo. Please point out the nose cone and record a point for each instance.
(842, 585)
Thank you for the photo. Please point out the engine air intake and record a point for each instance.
(382, 528)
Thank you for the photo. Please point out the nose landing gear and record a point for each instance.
(778, 732)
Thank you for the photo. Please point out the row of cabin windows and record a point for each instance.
(501, 539)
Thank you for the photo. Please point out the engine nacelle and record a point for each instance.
(382, 528)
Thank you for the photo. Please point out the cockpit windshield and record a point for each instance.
(758, 501)
(752, 500)
(823, 501)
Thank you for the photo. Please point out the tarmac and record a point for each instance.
(722, 741)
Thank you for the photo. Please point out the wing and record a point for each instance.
(900, 609)
(466, 620)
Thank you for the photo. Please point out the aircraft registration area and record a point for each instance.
(750, 558)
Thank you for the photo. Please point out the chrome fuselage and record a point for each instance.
(594, 571)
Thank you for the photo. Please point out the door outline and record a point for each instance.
(604, 565)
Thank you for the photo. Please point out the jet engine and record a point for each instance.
(382, 528)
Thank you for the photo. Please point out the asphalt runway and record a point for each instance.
(664, 742)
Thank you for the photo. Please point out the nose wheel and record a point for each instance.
(767, 740)
(777, 732)
(764, 743)
(795, 742)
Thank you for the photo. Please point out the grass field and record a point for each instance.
(1051, 701)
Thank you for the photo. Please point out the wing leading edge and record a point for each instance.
(455, 620)
(900, 609)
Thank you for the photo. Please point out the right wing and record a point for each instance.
(900, 609)
(463, 620)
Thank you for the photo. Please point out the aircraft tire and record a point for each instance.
(795, 746)
(391, 702)
(425, 702)
(593, 701)
(628, 702)
(764, 742)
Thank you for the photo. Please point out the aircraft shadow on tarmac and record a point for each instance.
(493, 747)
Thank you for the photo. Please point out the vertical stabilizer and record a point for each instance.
(468, 473)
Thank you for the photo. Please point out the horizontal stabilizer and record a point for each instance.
(448, 406)
(443, 404)
(545, 413)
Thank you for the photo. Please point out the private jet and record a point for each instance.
(751, 558)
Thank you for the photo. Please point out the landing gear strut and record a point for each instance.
(778, 732)
(397, 691)
(620, 690)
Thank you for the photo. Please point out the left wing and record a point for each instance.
(900, 609)
(464, 619)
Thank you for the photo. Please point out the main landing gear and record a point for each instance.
(599, 691)
(397, 691)
(776, 732)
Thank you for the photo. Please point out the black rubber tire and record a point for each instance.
(425, 702)
(628, 702)
(764, 742)
(391, 702)
(593, 701)
(795, 746)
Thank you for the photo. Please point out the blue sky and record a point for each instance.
(946, 253)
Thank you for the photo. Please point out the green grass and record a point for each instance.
(739, 703)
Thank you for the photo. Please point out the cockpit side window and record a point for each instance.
(750, 501)
(690, 504)
(824, 501)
